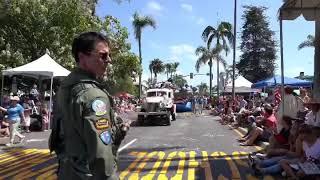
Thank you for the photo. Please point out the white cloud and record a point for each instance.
(131, 18)
(186, 7)
(154, 8)
(182, 51)
(201, 21)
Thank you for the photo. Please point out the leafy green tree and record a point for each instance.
(258, 46)
(31, 28)
(139, 22)
(310, 42)
(157, 67)
(203, 89)
(223, 34)
(179, 81)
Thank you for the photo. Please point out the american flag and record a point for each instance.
(277, 95)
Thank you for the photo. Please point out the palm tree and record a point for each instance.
(157, 67)
(168, 68)
(222, 33)
(174, 68)
(140, 22)
(207, 55)
(310, 42)
(150, 69)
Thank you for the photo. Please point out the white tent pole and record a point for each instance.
(282, 65)
(50, 102)
(2, 84)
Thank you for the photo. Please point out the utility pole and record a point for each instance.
(234, 48)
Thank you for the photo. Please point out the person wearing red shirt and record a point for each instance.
(266, 127)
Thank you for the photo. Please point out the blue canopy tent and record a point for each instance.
(276, 80)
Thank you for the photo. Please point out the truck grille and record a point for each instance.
(153, 107)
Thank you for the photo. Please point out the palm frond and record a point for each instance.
(201, 60)
(305, 44)
(222, 61)
(200, 50)
(139, 22)
(207, 31)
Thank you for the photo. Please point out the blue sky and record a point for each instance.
(180, 24)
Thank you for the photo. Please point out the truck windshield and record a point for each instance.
(158, 93)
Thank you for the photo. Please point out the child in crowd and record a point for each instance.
(311, 149)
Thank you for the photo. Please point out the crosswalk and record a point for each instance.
(40, 164)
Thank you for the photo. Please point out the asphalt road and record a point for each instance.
(193, 147)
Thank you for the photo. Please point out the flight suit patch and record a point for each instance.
(101, 124)
(99, 107)
(105, 137)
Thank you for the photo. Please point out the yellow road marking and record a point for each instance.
(234, 169)
(268, 178)
(192, 165)
(153, 171)
(166, 165)
(23, 167)
(45, 175)
(12, 151)
(28, 174)
(206, 165)
(139, 156)
(143, 163)
(179, 173)
(236, 156)
(250, 177)
(15, 157)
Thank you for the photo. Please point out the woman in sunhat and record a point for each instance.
(15, 116)
(313, 117)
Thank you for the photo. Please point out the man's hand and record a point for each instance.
(125, 126)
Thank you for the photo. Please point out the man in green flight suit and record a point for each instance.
(91, 131)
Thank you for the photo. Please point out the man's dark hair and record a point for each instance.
(268, 109)
(86, 42)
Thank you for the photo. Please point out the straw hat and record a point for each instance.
(14, 98)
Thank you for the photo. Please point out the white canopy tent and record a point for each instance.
(45, 67)
(240, 82)
(241, 85)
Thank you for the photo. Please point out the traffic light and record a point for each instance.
(191, 75)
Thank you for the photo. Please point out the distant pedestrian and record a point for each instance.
(15, 116)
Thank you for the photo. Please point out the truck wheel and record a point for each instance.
(140, 120)
(169, 118)
(173, 116)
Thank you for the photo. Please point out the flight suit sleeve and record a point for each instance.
(95, 131)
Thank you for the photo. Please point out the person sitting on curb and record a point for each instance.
(271, 165)
(262, 133)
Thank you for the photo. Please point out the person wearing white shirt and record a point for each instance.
(313, 117)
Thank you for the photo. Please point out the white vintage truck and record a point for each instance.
(158, 106)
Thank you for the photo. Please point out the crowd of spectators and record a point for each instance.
(290, 125)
